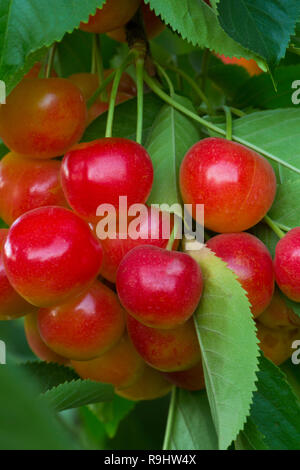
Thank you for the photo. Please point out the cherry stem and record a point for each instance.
(102, 87)
(98, 64)
(164, 74)
(191, 82)
(113, 97)
(228, 122)
(237, 112)
(170, 420)
(273, 225)
(140, 98)
(50, 62)
(165, 97)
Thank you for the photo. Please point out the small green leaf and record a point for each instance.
(263, 27)
(49, 375)
(250, 438)
(228, 342)
(285, 209)
(266, 235)
(112, 413)
(77, 393)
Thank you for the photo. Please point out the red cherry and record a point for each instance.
(86, 327)
(287, 264)
(150, 230)
(279, 314)
(159, 288)
(251, 261)
(166, 350)
(120, 366)
(28, 184)
(12, 305)
(236, 185)
(43, 117)
(113, 15)
(36, 343)
(50, 255)
(100, 171)
(190, 379)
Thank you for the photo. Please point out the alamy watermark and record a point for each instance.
(2, 92)
(2, 353)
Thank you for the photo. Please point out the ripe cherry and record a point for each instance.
(279, 315)
(149, 386)
(287, 264)
(12, 305)
(276, 344)
(37, 345)
(50, 255)
(85, 327)
(151, 232)
(113, 15)
(152, 23)
(28, 184)
(43, 118)
(166, 350)
(120, 366)
(190, 379)
(251, 261)
(159, 288)
(101, 171)
(236, 185)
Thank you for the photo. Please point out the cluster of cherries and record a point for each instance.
(120, 310)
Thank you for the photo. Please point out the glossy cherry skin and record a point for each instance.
(149, 386)
(27, 184)
(43, 118)
(166, 350)
(236, 185)
(50, 255)
(276, 344)
(121, 366)
(101, 171)
(36, 344)
(12, 305)
(151, 232)
(287, 264)
(152, 23)
(85, 327)
(190, 379)
(251, 261)
(279, 315)
(159, 288)
(113, 15)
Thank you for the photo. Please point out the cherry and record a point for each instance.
(159, 288)
(251, 261)
(113, 15)
(190, 379)
(120, 366)
(101, 171)
(151, 228)
(166, 350)
(85, 327)
(249, 64)
(276, 344)
(236, 185)
(27, 184)
(36, 343)
(50, 255)
(152, 23)
(43, 118)
(279, 315)
(150, 385)
(287, 264)
(12, 305)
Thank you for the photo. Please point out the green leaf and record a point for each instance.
(112, 413)
(77, 393)
(3, 149)
(284, 210)
(27, 26)
(250, 438)
(259, 91)
(25, 422)
(49, 375)
(276, 410)
(266, 235)
(228, 342)
(192, 425)
(196, 22)
(171, 137)
(263, 27)
(125, 119)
